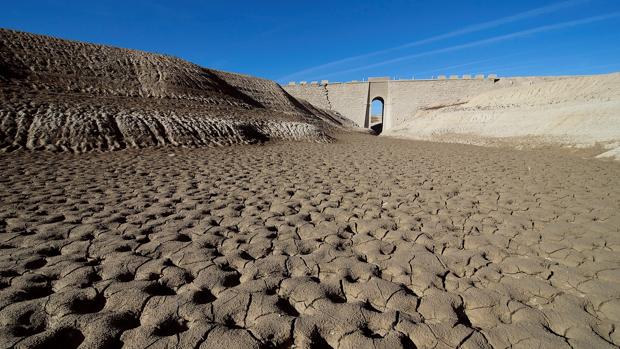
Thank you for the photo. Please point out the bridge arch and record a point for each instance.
(376, 114)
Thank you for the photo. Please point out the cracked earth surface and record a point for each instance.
(368, 242)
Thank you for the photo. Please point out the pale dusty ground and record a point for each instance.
(580, 111)
(369, 241)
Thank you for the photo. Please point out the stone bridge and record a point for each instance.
(401, 98)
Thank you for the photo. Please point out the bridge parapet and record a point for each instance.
(402, 99)
(379, 78)
(387, 78)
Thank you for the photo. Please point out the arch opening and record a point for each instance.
(377, 109)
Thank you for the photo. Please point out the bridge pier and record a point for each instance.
(378, 89)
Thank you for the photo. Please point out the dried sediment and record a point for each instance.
(369, 242)
(64, 95)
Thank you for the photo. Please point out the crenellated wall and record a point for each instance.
(402, 98)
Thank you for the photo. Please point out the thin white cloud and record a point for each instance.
(459, 32)
(443, 69)
(545, 63)
(473, 63)
(495, 39)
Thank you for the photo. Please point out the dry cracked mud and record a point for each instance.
(367, 242)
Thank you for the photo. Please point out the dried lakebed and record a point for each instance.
(364, 242)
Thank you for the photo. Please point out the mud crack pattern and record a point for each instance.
(367, 242)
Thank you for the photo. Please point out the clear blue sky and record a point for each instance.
(346, 40)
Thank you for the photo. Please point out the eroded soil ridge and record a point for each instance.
(72, 96)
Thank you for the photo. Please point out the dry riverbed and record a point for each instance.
(366, 241)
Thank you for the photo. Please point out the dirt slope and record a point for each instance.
(65, 95)
(575, 111)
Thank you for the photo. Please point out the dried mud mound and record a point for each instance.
(64, 95)
(369, 243)
(572, 111)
